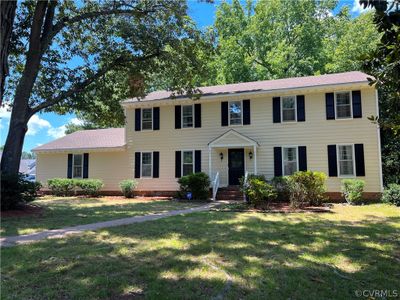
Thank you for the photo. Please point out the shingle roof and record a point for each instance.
(267, 85)
(87, 139)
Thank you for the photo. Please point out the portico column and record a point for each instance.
(209, 163)
(255, 159)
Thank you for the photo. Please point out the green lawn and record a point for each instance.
(216, 254)
(60, 212)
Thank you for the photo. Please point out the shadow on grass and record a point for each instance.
(191, 257)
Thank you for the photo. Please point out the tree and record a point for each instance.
(61, 53)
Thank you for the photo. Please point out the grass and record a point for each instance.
(60, 212)
(226, 255)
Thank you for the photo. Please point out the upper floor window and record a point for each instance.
(343, 105)
(147, 119)
(187, 116)
(345, 160)
(147, 163)
(77, 166)
(187, 163)
(290, 165)
(289, 109)
(235, 113)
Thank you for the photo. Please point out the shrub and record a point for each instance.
(281, 185)
(258, 191)
(196, 183)
(15, 190)
(313, 185)
(62, 186)
(352, 190)
(90, 187)
(128, 187)
(391, 194)
(298, 194)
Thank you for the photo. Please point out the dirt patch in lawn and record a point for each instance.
(278, 207)
(23, 211)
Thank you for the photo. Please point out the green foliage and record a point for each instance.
(128, 187)
(352, 190)
(62, 186)
(196, 183)
(258, 191)
(281, 185)
(90, 187)
(391, 194)
(15, 191)
(313, 184)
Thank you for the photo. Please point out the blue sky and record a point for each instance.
(46, 127)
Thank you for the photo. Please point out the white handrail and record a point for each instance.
(246, 175)
(215, 186)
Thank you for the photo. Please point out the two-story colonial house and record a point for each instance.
(273, 127)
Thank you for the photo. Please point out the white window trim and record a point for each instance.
(338, 162)
(192, 116)
(351, 105)
(241, 113)
(295, 110)
(152, 119)
(73, 165)
(193, 160)
(141, 165)
(283, 158)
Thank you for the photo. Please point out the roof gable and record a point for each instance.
(232, 138)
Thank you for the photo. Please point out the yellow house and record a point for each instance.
(273, 127)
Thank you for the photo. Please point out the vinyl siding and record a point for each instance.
(315, 133)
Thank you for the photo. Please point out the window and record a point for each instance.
(343, 105)
(77, 166)
(147, 119)
(187, 163)
(345, 160)
(235, 113)
(289, 160)
(289, 109)
(147, 162)
(187, 116)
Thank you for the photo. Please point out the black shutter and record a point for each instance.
(85, 165)
(197, 161)
(330, 106)
(360, 165)
(177, 164)
(197, 115)
(332, 161)
(137, 119)
(301, 113)
(276, 109)
(156, 164)
(178, 117)
(137, 164)
(246, 112)
(278, 161)
(224, 113)
(357, 110)
(69, 168)
(302, 158)
(156, 118)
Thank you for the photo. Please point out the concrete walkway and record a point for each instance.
(63, 232)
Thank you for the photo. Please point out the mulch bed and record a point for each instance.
(278, 207)
(23, 211)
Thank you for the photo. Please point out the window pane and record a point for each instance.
(345, 152)
(289, 160)
(343, 98)
(187, 169)
(235, 112)
(288, 102)
(77, 159)
(146, 170)
(147, 113)
(146, 158)
(187, 157)
(147, 119)
(289, 109)
(187, 116)
(77, 172)
(289, 154)
(346, 167)
(289, 115)
(290, 168)
(343, 105)
(147, 125)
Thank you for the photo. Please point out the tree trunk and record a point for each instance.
(7, 16)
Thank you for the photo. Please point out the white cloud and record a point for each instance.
(76, 121)
(36, 124)
(56, 132)
(358, 8)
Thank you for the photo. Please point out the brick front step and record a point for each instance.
(229, 193)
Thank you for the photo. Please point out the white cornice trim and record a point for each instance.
(81, 150)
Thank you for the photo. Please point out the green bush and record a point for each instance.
(313, 185)
(298, 194)
(352, 190)
(281, 185)
(90, 187)
(196, 183)
(391, 194)
(15, 191)
(128, 187)
(62, 186)
(258, 191)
